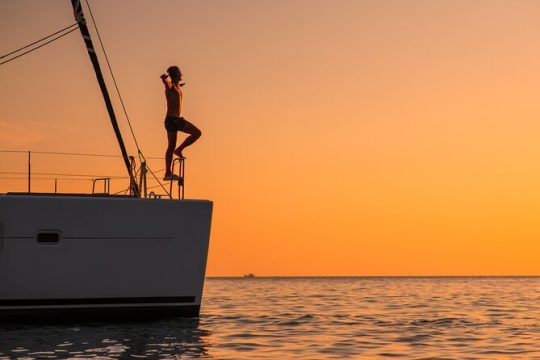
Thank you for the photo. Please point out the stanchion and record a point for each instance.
(181, 169)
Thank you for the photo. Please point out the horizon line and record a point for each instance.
(369, 276)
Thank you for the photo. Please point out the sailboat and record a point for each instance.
(72, 255)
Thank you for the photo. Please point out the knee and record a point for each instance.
(197, 133)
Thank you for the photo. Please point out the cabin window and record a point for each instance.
(48, 237)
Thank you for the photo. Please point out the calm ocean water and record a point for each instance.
(316, 318)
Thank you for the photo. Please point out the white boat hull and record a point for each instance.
(87, 255)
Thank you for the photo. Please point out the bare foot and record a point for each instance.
(170, 177)
(179, 154)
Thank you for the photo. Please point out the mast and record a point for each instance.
(79, 17)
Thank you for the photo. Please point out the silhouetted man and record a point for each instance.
(174, 122)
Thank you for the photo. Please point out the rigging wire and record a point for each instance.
(140, 154)
(126, 190)
(153, 187)
(112, 75)
(37, 41)
(37, 47)
(159, 182)
(121, 191)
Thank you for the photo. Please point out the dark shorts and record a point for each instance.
(173, 123)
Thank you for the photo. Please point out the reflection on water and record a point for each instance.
(144, 340)
(277, 318)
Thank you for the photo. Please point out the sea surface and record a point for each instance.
(315, 318)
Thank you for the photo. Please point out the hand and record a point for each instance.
(163, 76)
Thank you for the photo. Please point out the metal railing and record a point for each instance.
(106, 185)
(140, 174)
(181, 170)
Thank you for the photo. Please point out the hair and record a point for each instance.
(173, 70)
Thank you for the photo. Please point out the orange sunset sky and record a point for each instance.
(340, 137)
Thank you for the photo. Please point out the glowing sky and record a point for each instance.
(340, 137)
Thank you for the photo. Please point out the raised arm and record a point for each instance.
(166, 81)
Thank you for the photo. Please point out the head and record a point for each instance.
(175, 73)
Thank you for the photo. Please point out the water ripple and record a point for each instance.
(313, 318)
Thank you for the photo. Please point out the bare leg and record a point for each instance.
(171, 136)
(194, 134)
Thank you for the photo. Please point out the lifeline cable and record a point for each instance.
(71, 153)
(60, 174)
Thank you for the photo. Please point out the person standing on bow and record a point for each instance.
(174, 122)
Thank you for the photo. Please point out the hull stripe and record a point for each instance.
(99, 301)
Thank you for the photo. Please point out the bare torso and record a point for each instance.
(173, 93)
